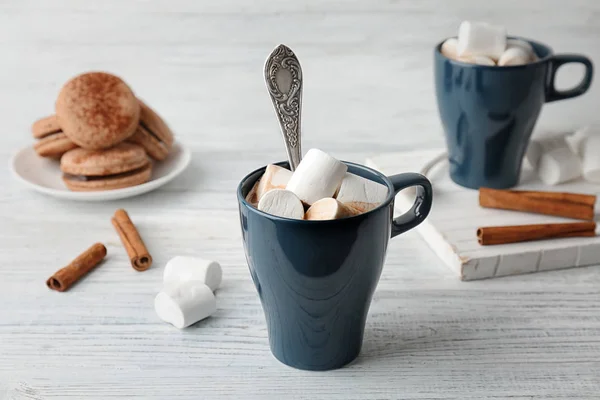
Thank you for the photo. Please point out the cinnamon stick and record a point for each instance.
(139, 256)
(65, 277)
(522, 233)
(568, 205)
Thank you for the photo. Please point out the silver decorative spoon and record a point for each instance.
(283, 76)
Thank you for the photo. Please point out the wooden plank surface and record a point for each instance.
(368, 90)
(450, 230)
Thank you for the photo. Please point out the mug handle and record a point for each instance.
(421, 206)
(554, 63)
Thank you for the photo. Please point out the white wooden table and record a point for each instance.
(368, 90)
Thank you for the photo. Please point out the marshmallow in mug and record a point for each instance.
(318, 176)
(282, 203)
(518, 52)
(274, 177)
(450, 48)
(524, 45)
(514, 56)
(482, 39)
(328, 208)
(475, 59)
(361, 194)
(184, 304)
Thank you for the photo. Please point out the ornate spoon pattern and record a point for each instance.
(283, 76)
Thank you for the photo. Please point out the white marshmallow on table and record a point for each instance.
(514, 56)
(590, 154)
(282, 203)
(558, 163)
(577, 140)
(328, 208)
(361, 194)
(539, 146)
(532, 155)
(184, 304)
(318, 175)
(482, 39)
(474, 59)
(183, 269)
(450, 48)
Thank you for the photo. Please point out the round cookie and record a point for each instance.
(45, 126)
(122, 166)
(153, 134)
(97, 110)
(124, 181)
(52, 143)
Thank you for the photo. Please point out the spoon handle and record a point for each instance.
(283, 76)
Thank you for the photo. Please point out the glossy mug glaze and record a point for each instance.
(315, 279)
(488, 112)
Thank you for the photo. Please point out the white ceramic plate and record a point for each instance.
(44, 175)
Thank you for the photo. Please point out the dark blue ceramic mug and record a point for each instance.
(315, 279)
(488, 113)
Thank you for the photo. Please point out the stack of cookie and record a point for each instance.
(102, 134)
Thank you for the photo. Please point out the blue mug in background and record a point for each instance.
(488, 113)
(315, 279)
